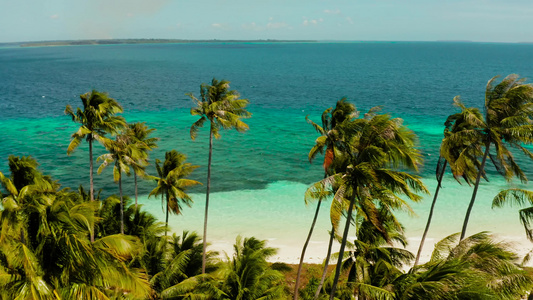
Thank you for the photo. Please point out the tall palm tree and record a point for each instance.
(223, 109)
(140, 133)
(330, 139)
(122, 154)
(172, 182)
(508, 110)
(378, 146)
(97, 117)
(465, 152)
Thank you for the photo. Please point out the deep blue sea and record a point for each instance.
(259, 176)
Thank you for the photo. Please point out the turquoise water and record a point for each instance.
(258, 177)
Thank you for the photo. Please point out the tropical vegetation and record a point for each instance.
(62, 243)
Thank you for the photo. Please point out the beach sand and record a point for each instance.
(278, 214)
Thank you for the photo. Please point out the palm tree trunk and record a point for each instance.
(341, 252)
(136, 194)
(297, 284)
(430, 214)
(478, 178)
(166, 219)
(91, 187)
(326, 263)
(91, 169)
(121, 202)
(207, 198)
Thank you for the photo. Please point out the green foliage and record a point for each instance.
(45, 252)
(248, 275)
(172, 182)
(220, 106)
(507, 123)
(97, 117)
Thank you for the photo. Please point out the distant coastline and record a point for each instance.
(53, 43)
(147, 41)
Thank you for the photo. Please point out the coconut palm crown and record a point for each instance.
(96, 117)
(507, 123)
(172, 182)
(140, 135)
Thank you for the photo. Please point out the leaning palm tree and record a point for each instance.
(140, 133)
(330, 139)
(223, 109)
(508, 109)
(465, 152)
(122, 154)
(172, 182)
(97, 117)
(378, 145)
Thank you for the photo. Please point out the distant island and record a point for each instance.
(148, 41)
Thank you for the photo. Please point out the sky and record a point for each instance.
(349, 20)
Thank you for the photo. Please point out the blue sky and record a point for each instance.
(381, 20)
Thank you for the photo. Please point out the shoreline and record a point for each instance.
(278, 215)
(316, 251)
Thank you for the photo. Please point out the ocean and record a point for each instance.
(259, 177)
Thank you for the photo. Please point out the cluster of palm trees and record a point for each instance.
(46, 251)
(365, 164)
(62, 244)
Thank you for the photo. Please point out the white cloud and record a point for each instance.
(337, 12)
(333, 12)
(251, 26)
(54, 17)
(129, 15)
(307, 22)
(222, 26)
(260, 27)
(276, 25)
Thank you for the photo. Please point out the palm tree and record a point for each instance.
(508, 109)
(97, 118)
(373, 264)
(377, 144)
(180, 277)
(519, 197)
(140, 133)
(330, 140)
(26, 188)
(172, 182)
(55, 259)
(224, 110)
(249, 275)
(464, 153)
(123, 154)
(476, 267)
